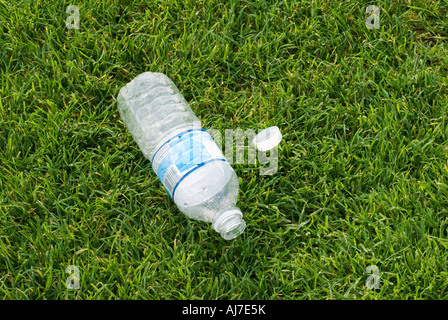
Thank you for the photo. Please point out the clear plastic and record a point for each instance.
(154, 111)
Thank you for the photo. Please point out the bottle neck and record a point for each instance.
(229, 223)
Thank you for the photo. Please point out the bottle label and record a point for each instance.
(183, 154)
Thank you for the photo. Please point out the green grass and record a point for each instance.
(362, 177)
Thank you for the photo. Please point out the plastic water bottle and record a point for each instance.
(184, 156)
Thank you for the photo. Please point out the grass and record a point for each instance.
(362, 177)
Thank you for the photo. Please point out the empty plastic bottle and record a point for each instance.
(184, 156)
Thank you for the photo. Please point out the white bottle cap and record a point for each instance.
(268, 138)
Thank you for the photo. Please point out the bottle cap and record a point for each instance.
(268, 138)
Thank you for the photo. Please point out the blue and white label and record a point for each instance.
(183, 154)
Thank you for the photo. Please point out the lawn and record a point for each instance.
(362, 168)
